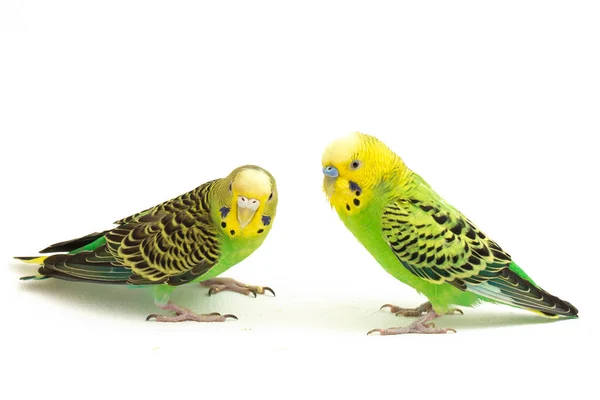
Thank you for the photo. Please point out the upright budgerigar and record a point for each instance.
(421, 240)
(191, 238)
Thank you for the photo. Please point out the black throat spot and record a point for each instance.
(355, 188)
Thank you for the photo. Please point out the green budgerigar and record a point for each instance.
(191, 238)
(422, 240)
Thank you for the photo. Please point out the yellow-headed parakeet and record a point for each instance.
(422, 240)
(191, 238)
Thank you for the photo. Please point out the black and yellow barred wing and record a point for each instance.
(438, 244)
(166, 247)
(197, 199)
(172, 243)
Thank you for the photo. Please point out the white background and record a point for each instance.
(112, 107)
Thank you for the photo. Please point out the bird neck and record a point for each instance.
(396, 173)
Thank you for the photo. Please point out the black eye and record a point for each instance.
(230, 186)
(354, 164)
(271, 196)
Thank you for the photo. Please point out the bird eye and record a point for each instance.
(355, 164)
(230, 186)
(271, 196)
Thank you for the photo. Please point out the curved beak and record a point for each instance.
(331, 174)
(246, 210)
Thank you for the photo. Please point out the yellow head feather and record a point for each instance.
(362, 163)
(253, 183)
(250, 182)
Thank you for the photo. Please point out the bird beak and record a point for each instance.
(246, 210)
(331, 174)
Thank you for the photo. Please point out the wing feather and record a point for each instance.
(440, 245)
(174, 243)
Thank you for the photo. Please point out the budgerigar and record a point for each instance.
(422, 240)
(191, 238)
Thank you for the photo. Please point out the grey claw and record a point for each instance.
(214, 313)
(269, 289)
(230, 316)
(386, 305)
(254, 293)
(149, 317)
(374, 330)
(211, 291)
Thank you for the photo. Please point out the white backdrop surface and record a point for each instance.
(107, 108)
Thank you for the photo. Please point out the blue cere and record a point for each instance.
(331, 171)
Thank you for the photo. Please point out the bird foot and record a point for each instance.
(422, 325)
(409, 312)
(417, 311)
(412, 328)
(217, 285)
(183, 314)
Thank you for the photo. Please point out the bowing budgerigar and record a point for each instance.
(422, 240)
(192, 238)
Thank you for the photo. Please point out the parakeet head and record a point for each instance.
(353, 166)
(250, 202)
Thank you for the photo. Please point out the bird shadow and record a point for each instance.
(117, 300)
(363, 315)
(355, 315)
(484, 319)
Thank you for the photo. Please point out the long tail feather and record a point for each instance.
(96, 266)
(32, 260)
(114, 278)
(34, 277)
(73, 244)
(511, 289)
